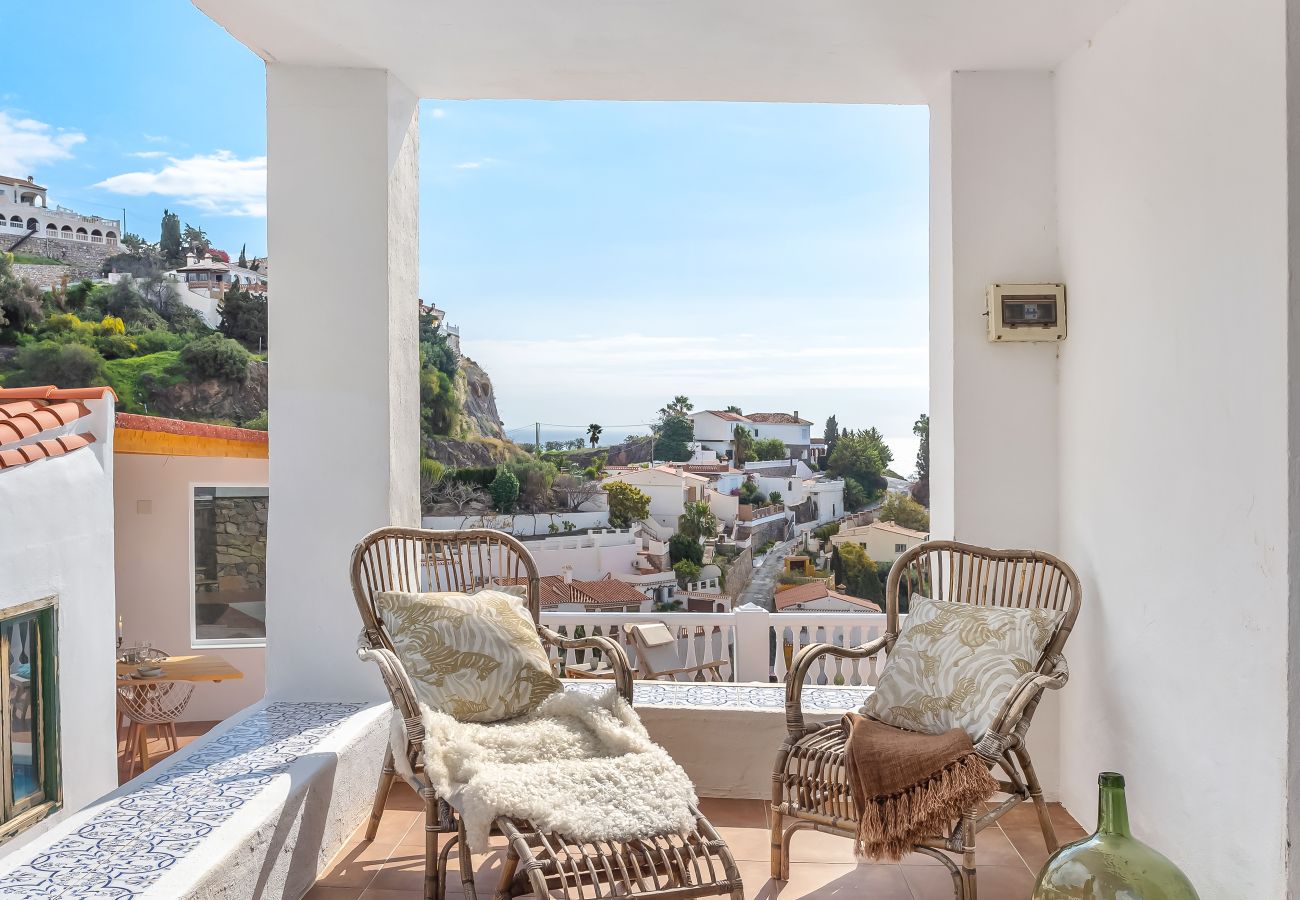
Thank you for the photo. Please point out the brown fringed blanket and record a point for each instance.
(908, 785)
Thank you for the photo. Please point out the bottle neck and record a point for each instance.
(1112, 810)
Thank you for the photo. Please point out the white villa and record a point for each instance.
(1143, 153)
(715, 429)
(24, 209)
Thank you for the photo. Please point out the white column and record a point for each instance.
(993, 420)
(752, 645)
(993, 219)
(343, 201)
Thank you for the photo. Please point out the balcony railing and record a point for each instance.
(752, 643)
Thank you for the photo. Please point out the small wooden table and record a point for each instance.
(200, 667)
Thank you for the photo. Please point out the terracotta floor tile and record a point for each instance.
(733, 813)
(357, 864)
(402, 797)
(995, 882)
(322, 892)
(817, 880)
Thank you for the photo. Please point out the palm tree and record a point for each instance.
(593, 433)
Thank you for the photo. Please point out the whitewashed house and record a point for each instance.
(715, 430)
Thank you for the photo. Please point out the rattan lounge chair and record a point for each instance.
(810, 789)
(657, 655)
(666, 867)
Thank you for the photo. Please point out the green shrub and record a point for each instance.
(504, 490)
(114, 346)
(827, 531)
(216, 357)
(66, 365)
(687, 571)
(155, 341)
(479, 476)
(259, 422)
(682, 547)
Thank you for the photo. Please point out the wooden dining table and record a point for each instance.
(200, 667)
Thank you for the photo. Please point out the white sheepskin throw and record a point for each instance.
(578, 765)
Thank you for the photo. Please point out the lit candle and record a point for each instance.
(119, 626)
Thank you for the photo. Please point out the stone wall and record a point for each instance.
(241, 542)
(45, 277)
(85, 260)
(738, 573)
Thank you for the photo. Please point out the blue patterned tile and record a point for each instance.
(135, 838)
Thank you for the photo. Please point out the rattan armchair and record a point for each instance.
(668, 867)
(810, 789)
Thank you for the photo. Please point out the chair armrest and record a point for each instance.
(617, 657)
(799, 668)
(1017, 709)
(402, 693)
(715, 667)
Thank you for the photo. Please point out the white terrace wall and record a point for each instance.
(56, 525)
(1172, 148)
(154, 513)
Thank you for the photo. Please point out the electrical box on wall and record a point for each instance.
(1026, 312)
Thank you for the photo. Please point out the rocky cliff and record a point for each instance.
(207, 401)
(478, 404)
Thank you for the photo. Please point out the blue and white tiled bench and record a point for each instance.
(252, 809)
(256, 807)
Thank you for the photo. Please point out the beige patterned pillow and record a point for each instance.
(954, 664)
(476, 657)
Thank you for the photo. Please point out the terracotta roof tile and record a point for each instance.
(779, 418)
(605, 592)
(27, 412)
(195, 429)
(818, 590)
(726, 415)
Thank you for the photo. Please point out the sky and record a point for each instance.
(599, 258)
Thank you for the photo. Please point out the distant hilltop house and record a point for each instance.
(25, 215)
(883, 541)
(440, 320)
(715, 430)
(208, 275)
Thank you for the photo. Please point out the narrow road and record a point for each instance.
(761, 590)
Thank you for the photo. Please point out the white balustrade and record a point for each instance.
(753, 644)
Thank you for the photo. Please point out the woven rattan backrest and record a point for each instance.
(964, 573)
(420, 560)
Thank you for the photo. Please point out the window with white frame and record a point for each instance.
(900, 548)
(229, 546)
(29, 732)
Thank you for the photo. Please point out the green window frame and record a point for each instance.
(31, 783)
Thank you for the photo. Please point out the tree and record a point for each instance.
(687, 572)
(20, 301)
(196, 239)
(593, 434)
(734, 409)
(169, 240)
(216, 357)
(774, 497)
(855, 495)
(682, 547)
(626, 504)
(743, 441)
(219, 254)
(860, 574)
(678, 406)
(749, 493)
(697, 521)
(244, 318)
(432, 473)
(243, 256)
(572, 492)
(857, 457)
(827, 531)
(903, 510)
(877, 440)
(770, 448)
(504, 490)
(133, 242)
(458, 494)
(675, 433)
(831, 434)
(921, 489)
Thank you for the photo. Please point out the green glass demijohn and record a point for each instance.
(1111, 864)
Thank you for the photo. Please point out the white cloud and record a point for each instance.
(156, 138)
(26, 144)
(148, 154)
(219, 183)
(477, 163)
(438, 112)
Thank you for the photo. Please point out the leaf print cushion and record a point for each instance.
(954, 664)
(476, 657)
